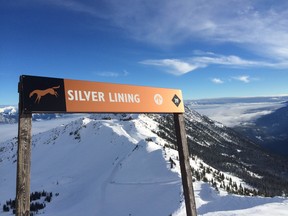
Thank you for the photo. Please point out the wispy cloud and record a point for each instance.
(112, 74)
(172, 66)
(183, 66)
(257, 26)
(244, 78)
(217, 81)
(230, 60)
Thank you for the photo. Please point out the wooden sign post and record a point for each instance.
(23, 161)
(53, 95)
(186, 172)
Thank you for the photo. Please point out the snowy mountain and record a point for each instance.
(127, 165)
(98, 166)
(9, 115)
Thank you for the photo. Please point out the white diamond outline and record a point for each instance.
(178, 100)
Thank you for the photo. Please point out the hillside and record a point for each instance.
(93, 164)
(224, 149)
(127, 165)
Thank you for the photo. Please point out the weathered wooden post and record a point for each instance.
(184, 164)
(23, 160)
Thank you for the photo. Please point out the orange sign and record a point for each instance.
(42, 94)
(83, 96)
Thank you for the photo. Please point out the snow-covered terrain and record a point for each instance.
(98, 167)
(116, 165)
(9, 110)
(212, 203)
(8, 131)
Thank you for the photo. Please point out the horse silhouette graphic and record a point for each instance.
(42, 93)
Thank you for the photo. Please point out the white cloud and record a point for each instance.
(183, 66)
(112, 74)
(217, 81)
(230, 60)
(258, 26)
(244, 78)
(172, 66)
(108, 74)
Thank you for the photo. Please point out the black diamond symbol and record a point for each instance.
(176, 100)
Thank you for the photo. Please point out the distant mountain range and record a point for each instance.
(261, 119)
(270, 130)
(9, 115)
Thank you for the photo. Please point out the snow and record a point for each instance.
(104, 172)
(114, 167)
(8, 131)
(9, 110)
(212, 203)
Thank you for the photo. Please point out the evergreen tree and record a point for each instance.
(6, 208)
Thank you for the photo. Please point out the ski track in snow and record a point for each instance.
(168, 182)
(110, 178)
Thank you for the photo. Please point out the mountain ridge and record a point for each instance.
(102, 159)
(86, 162)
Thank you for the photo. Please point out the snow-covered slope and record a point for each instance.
(225, 150)
(212, 203)
(98, 167)
(118, 165)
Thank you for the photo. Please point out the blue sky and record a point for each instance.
(208, 49)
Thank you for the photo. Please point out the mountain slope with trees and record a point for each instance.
(228, 151)
(270, 131)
